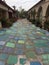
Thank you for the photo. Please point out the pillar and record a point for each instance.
(7, 15)
(30, 16)
(0, 25)
(43, 20)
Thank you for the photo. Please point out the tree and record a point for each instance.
(33, 14)
(22, 13)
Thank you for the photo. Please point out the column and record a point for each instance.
(7, 15)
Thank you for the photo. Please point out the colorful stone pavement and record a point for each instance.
(24, 44)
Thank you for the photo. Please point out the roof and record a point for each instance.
(35, 5)
(3, 3)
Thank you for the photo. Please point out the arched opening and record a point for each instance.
(39, 13)
(39, 17)
(46, 24)
(32, 16)
(34, 13)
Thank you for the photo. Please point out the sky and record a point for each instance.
(25, 4)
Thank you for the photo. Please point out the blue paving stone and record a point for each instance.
(46, 50)
(3, 56)
(8, 50)
(47, 33)
(2, 42)
(16, 38)
(9, 64)
(20, 46)
(39, 50)
(19, 51)
(3, 37)
(35, 63)
(19, 38)
(11, 36)
(48, 43)
(2, 63)
(2, 32)
(3, 29)
(1, 47)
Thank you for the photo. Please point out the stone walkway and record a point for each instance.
(24, 44)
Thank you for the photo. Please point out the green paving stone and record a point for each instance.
(12, 41)
(40, 45)
(12, 59)
(21, 41)
(8, 31)
(46, 62)
(22, 61)
(9, 44)
(29, 46)
(48, 56)
(3, 56)
(44, 57)
(31, 54)
(40, 41)
(33, 38)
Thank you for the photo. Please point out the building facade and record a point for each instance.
(5, 10)
(42, 10)
(6, 14)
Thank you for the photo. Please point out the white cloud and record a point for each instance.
(26, 4)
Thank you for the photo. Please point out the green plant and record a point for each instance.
(33, 13)
(32, 21)
(3, 21)
(38, 23)
(9, 24)
(6, 22)
(46, 25)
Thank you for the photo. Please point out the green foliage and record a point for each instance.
(23, 14)
(33, 13)
(6, 22)
(12, 20)
(46, 25)
(3, 21)
(32, 21)
(38, 23)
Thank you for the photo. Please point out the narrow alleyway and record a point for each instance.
(24, 44)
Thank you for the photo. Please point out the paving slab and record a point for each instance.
(24, 44)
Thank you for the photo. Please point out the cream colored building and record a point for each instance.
(42, 9)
